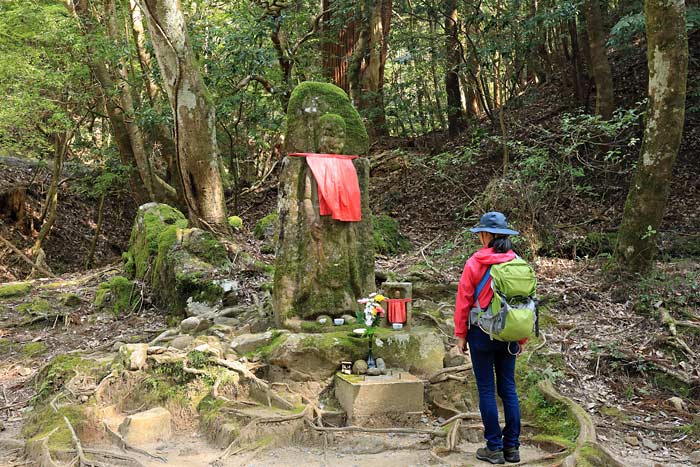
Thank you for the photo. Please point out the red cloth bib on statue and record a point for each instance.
(338, 186)
(397, 309)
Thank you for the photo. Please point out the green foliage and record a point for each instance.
(627, 29)
(43, 79)
(388, 239)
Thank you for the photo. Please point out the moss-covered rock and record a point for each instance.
(265, 230)
(235, 222)
(117, 295)
(318, 355)
(419, 350)
(70, 299)
(15, 289)
(177, 262)
(61, 369)
(186, 266)
(151, 220)
(388, 239)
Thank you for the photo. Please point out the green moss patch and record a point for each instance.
(45, 421)
(14, 290)
(37, 307)
(265, 227)
(143, 244)
(32, 349)
(70, 299)
(117, 295)
(235, 222)
(265, 351)
(61, 369)
(388, 240)
(551, 419)
(7, 346)
(328, 99)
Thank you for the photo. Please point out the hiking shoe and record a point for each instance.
(494, 457)
(511, 454)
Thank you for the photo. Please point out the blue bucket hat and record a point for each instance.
(494, 222)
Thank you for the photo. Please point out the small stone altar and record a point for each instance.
(368, 398)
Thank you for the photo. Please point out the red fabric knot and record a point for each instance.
(338, 186)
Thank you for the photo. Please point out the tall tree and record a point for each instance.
(365, 72)
(194, 117)
(667, 57)
(604, 99)
(455, 112)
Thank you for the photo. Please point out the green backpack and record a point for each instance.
(512, 314)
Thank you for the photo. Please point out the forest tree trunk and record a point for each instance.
(605, 99)
(667, 57)
(194, 117)
(455, 114)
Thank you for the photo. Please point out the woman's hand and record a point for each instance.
(462, 345)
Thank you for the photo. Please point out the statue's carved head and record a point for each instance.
(332, 135)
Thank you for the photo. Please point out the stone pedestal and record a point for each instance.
(365, 398)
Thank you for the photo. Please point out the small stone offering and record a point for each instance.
(381, 366)
(359, 367)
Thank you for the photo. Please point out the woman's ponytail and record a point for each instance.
(501, 244)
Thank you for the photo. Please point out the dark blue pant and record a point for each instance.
(489, 355)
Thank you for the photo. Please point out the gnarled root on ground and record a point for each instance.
(446, 374)
(587, 450)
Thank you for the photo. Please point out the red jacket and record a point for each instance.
(473, 272)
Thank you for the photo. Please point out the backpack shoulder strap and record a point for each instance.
(482, 284)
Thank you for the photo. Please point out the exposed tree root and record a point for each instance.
(125, 446)
(587, 451)
(445, 374)
(38, 450)
(246, 374)
(359, 429)
(25, 258)
(453, 435)
(462, 416)
(658, 365)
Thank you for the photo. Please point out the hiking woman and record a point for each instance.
(490, 355)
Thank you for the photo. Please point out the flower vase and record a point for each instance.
(371, 363)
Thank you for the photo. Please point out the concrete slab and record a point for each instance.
(364, 397)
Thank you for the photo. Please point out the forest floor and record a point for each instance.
(609, 340)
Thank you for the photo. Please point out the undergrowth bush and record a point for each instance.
(551, 170)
